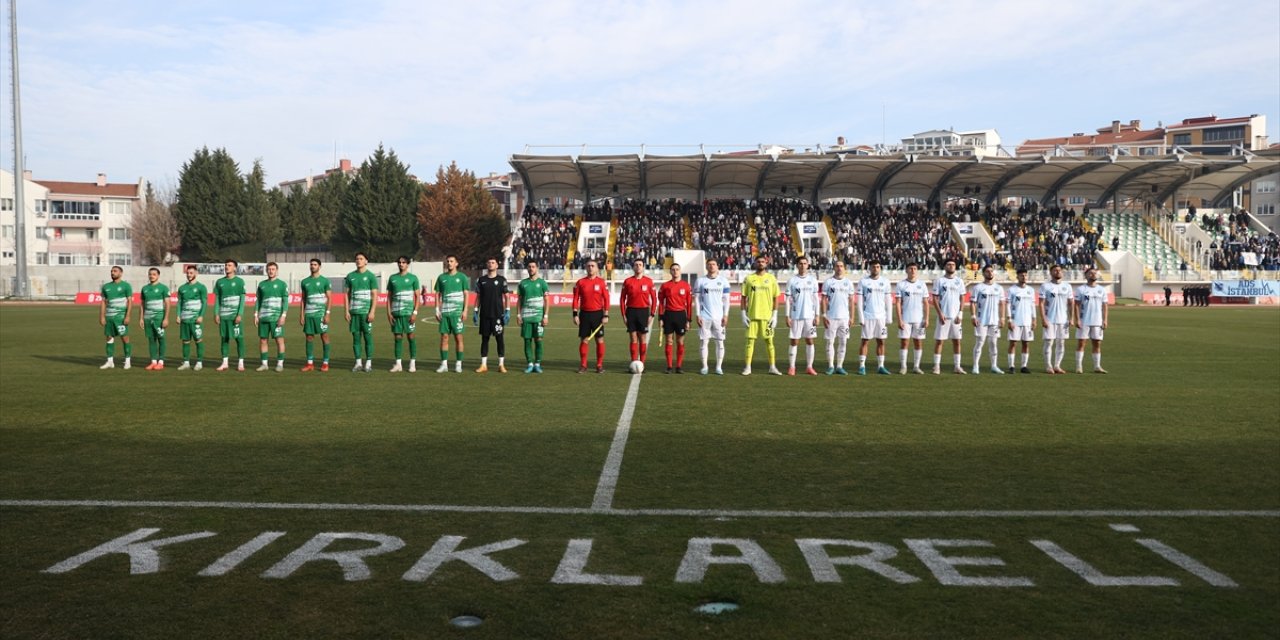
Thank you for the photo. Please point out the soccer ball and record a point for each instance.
(637, 366)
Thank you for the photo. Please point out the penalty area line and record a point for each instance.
(678, 513)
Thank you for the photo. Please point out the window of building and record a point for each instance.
(42, 233)
(122, 259)
(7, 231)
(1075, 200)
(78, 259)
(42, 207)
(7, 254)
(91, 234)
(42, 257)
(6, 204)
(1149, 151)
(119, 233)
(116, 207)
(1182, 139)
(73, 208)
(1265, 186)
(1223, 134)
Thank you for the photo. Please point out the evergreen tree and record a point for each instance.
(322, 210)
(210, 203)
(261, 219)
(456, 215)
(380, 202)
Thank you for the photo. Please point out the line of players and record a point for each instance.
(676, 304)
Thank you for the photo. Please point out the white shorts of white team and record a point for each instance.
(987, 331)
(911, 331)
(1021, 333)
(803, 329)
(948, 330)
(710, 330)
(1089, 332)
(837, 328)
(1057, 331)
(874, 329)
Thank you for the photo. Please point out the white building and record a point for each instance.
(71, 223)
(981, 142)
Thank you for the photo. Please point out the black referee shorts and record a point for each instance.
(589, 321)
(638, 320)
(676, 322)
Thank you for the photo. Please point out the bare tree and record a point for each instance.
(154, 227)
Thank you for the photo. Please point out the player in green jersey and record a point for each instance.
(532, 316)
(402, 312)
(316, 298)
(760, 312)
(117, 302)
(270, 314)
(229, 293)
(192, 298)
(362, 293)
(155, 317)
(451, 307)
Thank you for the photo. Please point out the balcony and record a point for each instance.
(75, 245)
(75, 220)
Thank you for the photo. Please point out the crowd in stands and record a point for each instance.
(648, 230)
(1035, 238)
(720, 230)
(1232, 238)
(896, 235)
(543, 236)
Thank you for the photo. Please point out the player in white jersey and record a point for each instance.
(837, 305)
(910, 298)
(948, 300)
(711, 301)
(802, 312)
(874, 300)
(989, 311)
(1056, 307)
(1091, 319)
(1022, 319)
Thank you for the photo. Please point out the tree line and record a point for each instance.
(217, 212)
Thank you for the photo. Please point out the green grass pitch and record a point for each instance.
(1187, 423)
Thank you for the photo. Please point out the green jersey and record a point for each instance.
(273, 300)
(230, 295)
(117, 295)
(361, 288)
(533, 299)
(401, 290)
(315, 302)
(155, 297)
(452, 290)
(192, 298)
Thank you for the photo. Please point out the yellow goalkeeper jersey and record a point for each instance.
(759, 295)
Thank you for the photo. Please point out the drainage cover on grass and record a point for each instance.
(466, 622)
(717, 608)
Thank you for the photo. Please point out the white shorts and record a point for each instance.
(874, 329)
(948, 330)
(1087, 332)
(802, 329)
(913, 331)
(1057, 332)
(837, 329)
(710, 330)
(1022, 334)
(987, 331)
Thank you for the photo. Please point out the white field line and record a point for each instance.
(678, 513)
(608, 482)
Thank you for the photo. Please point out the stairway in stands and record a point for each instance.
(1137, 237)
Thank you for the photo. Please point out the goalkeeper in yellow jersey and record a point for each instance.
(760, 312)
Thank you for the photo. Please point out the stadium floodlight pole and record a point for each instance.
(19, 175)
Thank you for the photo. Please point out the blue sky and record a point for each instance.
(133, 88)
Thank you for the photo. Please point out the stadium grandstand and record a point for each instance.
(1010, 212)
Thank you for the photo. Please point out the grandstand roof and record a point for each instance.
(818, 176)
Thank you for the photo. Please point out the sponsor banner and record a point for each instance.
(1246, 288)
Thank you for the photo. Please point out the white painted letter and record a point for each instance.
(1095, 577)
(446, 549)
(225, 564)
(943, 567)
(1187, 562)
(143, 557)
(575, 560)
(823, 565)
(352, 562)
(693, 568)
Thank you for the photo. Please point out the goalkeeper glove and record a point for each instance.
(746, 322)
(506, 316)
(773, 322)
(475, 316)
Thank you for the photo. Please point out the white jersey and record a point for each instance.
(1091, 301)
(1022, 305)
(949, 293)
(1057, 297)
(837, 292)
(987, 298)
(912, 296)
(802, 297)
(871, 298)
(712, 295)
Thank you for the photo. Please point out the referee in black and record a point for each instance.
(491, 309)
